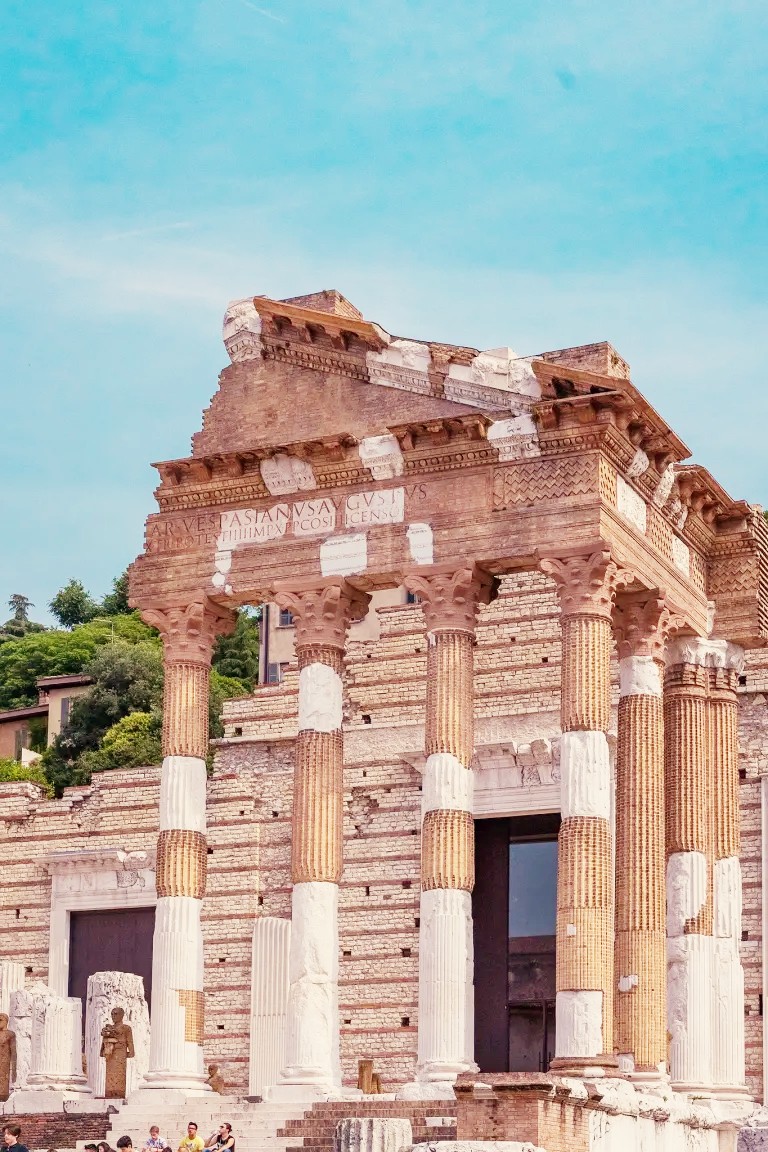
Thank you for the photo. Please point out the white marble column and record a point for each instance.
(705, 976)
(178, 1002)
(450, 598)
(321, 614)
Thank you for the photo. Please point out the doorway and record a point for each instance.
(118, 940)
(514, 909)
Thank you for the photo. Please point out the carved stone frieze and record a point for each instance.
(322, 612)
(189, 631)
(450, 597)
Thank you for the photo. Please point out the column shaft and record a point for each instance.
(689, 836)
(584, 971)
(446, 956)
(322, 615)
(178, 1027)
(641, 625)
(728, 1069)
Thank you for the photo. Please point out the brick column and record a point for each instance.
(321, 614)
(176, 1048)
(728, 1069)
(641, 626)
(689, 803)
(584, 1008)
(446, 962)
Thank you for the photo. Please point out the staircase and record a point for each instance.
(254, 1126)
(431, 1120)
(273, 1127)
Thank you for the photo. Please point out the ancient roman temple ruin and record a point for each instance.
(494, 820)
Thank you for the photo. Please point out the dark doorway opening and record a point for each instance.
(119, 940)
(514, 910)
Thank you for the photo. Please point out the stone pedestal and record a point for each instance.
(372, 1134)
(108, 990)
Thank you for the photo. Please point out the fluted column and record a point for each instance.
(728, 1064)
(586, 585)
(689, 803)
(177, 1027)
(450, 599)
(321, 614)
(641, 626)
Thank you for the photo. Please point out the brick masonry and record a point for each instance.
(249, 814)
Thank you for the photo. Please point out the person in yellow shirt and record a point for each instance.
(192, 1142)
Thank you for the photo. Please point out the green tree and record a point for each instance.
(134, 741)
(19, 623)
(237, 655)
(20, 606)
(24, 659)
(127, 678)
(11, 770)
(73, 605)
(115, 603)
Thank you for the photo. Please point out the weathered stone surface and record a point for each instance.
(372, 1135)
(107, 991)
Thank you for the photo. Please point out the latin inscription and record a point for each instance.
(319, 516)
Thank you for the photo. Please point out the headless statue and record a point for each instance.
(7, 1057)
(215, 1079)
(117, 1050)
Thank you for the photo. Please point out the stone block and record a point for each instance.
(372, 1134)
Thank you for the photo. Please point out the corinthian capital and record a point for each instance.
(189, 630)
(586, 582)
(642, 625)
(450, 596)
(322, 612)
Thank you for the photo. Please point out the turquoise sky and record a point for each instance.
(538, 174)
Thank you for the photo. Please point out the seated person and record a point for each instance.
(221, 1141)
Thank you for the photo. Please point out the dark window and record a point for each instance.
(286, 618)
(65, 703)
(412, 598)
(273, 674)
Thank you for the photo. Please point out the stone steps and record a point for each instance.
(255, 1125)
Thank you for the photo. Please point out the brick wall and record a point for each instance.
(249, 815)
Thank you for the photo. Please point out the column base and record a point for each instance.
(444, 1071)
(426, 1090)
(291, 1092)
(604, 1064)
(652, 1077)
(739, 1093)
(183, 1083)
